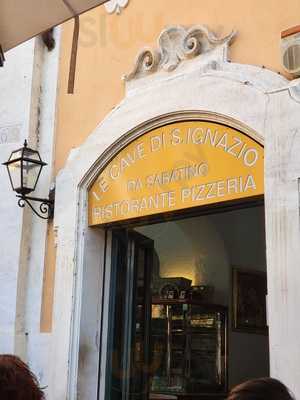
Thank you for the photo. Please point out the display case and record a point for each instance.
(188, 348)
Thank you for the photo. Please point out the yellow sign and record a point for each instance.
(177, 166)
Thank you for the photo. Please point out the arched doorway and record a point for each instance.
(184, 205)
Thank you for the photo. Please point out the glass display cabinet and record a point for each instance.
(188, 349)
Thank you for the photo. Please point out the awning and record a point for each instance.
(21, 20)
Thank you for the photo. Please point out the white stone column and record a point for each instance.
(15, 104)
(28, 87)
(282, 173)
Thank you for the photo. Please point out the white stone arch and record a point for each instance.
(207, 88)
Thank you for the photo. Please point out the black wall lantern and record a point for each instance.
(24, 167)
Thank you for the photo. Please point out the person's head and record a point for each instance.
(260, 389)
(17, 382)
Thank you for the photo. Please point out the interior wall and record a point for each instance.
(188, 248)
(204, 249)
(244, 238)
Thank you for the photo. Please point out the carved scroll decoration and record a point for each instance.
(116, 6)
(175, 45)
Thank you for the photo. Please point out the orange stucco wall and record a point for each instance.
(108, 45)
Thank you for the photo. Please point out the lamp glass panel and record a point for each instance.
(31, 170)
(32, 154)
(15, 154)
(30, 174)
(15, 174)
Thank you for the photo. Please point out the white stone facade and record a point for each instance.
(259, 102)
(255, 100)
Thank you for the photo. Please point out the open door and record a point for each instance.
(129, 346)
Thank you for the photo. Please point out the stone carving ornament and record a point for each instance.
(175, 45)
(115, 6)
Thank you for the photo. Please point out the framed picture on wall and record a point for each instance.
(249, 290)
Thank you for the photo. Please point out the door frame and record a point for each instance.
(133, 242)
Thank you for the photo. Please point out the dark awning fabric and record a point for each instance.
(21, 20)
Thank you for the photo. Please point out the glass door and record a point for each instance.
(130, 308)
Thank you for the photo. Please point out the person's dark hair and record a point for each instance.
(260, 389)
(17, 382)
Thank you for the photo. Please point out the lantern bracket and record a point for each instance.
(46, 207)
(28, 164)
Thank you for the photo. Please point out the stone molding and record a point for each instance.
(116, 6)
(177, 44)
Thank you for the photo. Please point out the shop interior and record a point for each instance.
(192, 306)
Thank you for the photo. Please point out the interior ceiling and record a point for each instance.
(22, 20)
